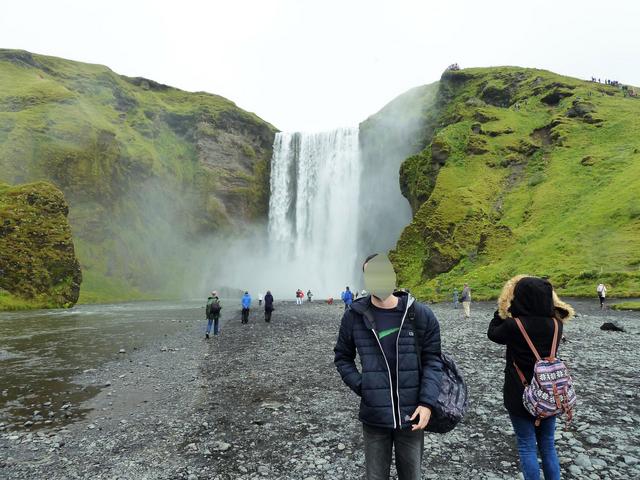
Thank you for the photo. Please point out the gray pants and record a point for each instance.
(378, 447)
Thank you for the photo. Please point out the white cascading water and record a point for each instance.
(313, 210)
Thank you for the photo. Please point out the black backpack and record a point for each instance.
(453, 398)
(213, 307)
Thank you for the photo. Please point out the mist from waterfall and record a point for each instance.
(314, 211)
(335, 198)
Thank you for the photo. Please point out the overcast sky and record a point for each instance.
(318, 64)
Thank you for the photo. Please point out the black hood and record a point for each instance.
(532, 297)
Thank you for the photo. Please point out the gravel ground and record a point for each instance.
(264, 401)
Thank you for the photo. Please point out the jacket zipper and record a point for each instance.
(398, 358)
(390, 382)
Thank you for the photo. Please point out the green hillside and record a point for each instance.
(148, 170)
(525, 171)
(38, 265)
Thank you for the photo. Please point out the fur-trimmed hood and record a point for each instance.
(562, 311)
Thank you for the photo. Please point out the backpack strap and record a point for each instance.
(554, 343)
(411, 315)
(526, 337)
(521, 375)
(367, 313)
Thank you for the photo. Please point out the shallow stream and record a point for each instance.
(42, 352)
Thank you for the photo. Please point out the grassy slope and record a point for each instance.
(626, 306)
(511, 184)
(131, 157)
(38, 266)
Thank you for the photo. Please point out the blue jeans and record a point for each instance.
(216, 325)
(378, 447)
(531, 440)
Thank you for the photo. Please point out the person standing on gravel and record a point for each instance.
(396, 394)
(260, 299)
(246, 306)
(533, 302)
(268, 306)
(347, 298)
(298, 297)
(455, 298)
(602, 294)
(213, 314)
(465, 298)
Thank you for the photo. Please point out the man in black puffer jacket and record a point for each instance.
(396, 394)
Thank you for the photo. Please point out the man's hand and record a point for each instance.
(424, 413)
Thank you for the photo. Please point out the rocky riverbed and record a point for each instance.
(264, 401)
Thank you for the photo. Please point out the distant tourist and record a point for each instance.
(213, 313)
(330, 301)
(299, 296)
(363, 293)
(246, 306)
(602, 294)
(455, 298)
(347, 298)
(309, 295)
(530, 313)
(396, 400)
(268, 306)
(466, 301)
(260, 299)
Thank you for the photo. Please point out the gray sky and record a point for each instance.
(310, 65)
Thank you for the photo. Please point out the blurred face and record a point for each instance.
(379, 276)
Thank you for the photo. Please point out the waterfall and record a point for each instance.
(313, 210)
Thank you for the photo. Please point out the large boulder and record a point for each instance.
(612, 327)
(38, 264)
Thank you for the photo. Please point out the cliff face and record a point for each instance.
(524, 171)
(38, 265)
(148, 170)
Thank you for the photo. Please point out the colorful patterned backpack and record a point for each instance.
(550, 391)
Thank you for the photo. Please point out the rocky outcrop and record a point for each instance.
(38, 264)
(150, 171)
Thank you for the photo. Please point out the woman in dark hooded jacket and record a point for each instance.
(268, 306)
(533, 301)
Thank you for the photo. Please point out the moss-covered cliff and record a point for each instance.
(525, 171)
(147, 169)
(38, 265)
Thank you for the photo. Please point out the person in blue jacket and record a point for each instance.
(396, 395)
(246, 305)
(347, 298)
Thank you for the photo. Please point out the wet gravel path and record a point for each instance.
(265, 401)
